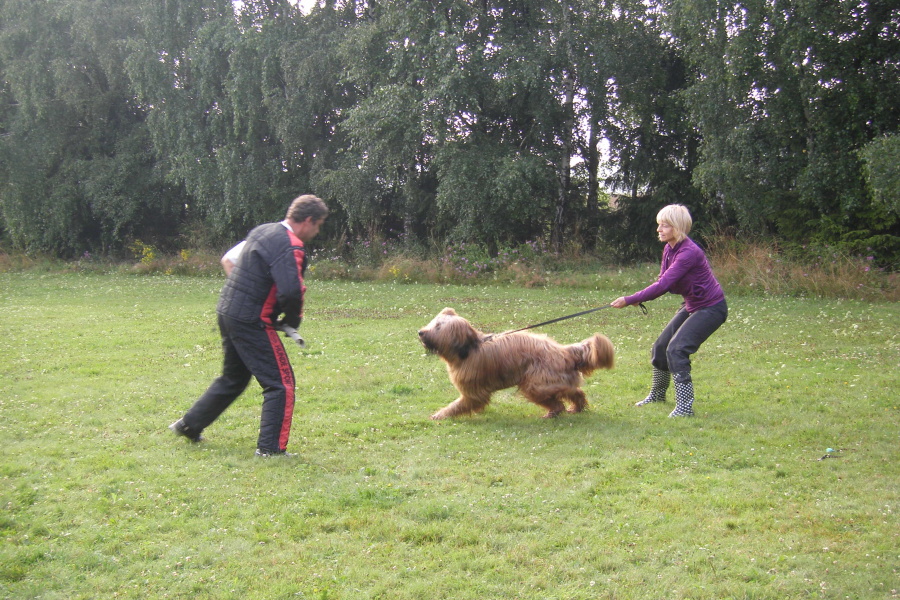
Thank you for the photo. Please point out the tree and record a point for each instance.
(452, 120)
(76, 174)
(378, 168)
(881, 157)
(632, 77)
(205, 77)
(311, 103)
(784, 95)
(456, 123)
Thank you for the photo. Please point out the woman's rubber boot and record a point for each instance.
(658, 390)
(684, 396)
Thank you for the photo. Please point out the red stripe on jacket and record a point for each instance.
(268, 307)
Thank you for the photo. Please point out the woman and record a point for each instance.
(685, 271)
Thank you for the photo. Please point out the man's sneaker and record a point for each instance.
(181, 429)
(264, 453)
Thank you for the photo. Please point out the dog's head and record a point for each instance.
(450, 336)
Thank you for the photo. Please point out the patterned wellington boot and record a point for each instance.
(658, 389)
(684, 396)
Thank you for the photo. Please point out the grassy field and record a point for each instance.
(100, 500)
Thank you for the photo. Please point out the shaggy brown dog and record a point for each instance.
(547, 373)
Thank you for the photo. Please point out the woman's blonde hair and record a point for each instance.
(678, 217)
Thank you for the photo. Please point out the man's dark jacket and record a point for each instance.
(267, 279)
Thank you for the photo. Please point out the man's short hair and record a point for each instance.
(678, 216)
(306, 206)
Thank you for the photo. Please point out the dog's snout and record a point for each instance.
(421, 332)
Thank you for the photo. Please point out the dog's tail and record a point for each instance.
(594, 353)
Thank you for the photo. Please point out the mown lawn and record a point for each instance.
(100, 500)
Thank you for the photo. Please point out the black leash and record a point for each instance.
(578, 314)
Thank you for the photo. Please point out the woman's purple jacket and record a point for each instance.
(685, 271)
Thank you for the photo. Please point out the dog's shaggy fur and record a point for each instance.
(547, 373)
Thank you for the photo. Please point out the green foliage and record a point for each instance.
(101, 501)
(444, 122)
(626, 233)
(473, 262)
(76, 171)
(785, 96)
(490, 123)
(881, 157)
(146, 254)
(204, 82)
(489, 194)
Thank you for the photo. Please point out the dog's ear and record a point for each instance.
(448, 311)
(468, 343)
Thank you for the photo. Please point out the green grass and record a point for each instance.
(100, 500)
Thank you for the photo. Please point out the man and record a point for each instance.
(229, 259)
(262, 291)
